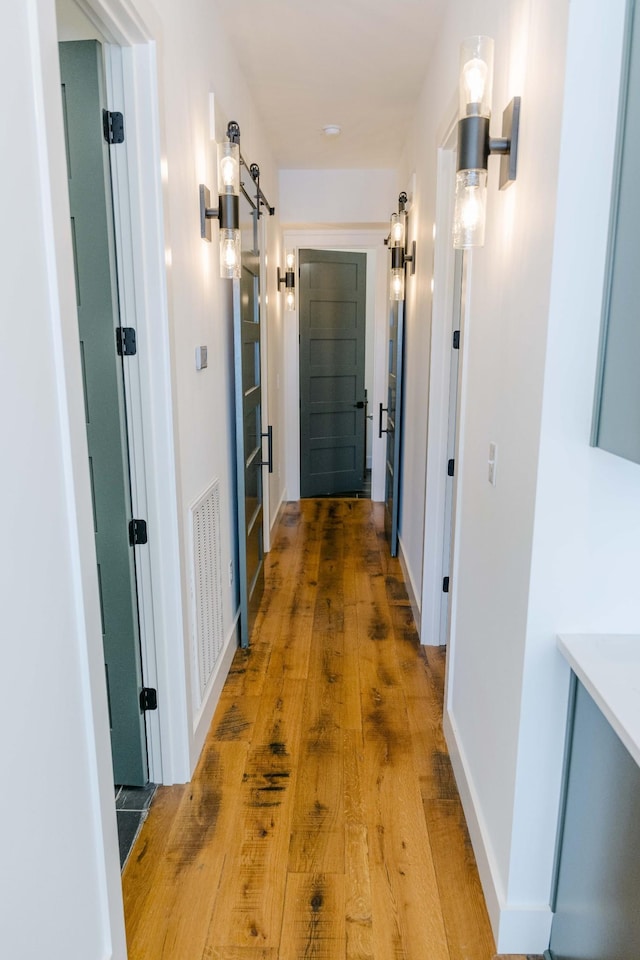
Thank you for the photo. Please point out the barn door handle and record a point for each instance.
(269, 461)
(380, 430)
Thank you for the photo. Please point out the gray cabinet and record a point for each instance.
(597, 901)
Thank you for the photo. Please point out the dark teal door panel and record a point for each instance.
(393, 423)
(332, 360)
(248, 394)
(96, 286)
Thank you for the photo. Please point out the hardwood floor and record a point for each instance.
(323, 820)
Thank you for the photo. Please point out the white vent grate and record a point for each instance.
(207, 583)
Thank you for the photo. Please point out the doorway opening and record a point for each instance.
(446, 383)
(104, 349)
(146, 430)
(370, 243)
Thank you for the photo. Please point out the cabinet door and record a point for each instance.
(598, 895)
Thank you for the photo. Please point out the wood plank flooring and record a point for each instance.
(323, 820)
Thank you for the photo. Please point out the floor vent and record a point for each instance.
(207, 583)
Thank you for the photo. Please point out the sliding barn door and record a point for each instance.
(249, 434)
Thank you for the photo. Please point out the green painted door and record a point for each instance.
(393, 423)
(249, 439)
(332, 371)
(96, 286)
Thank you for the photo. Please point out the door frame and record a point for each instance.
(264, 373)
(438, 409)
(370, 242)
(131, 53)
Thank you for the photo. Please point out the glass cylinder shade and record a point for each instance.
(290, 300)
(469, 214)
(476, 77)
(228, 169)
(396, 237)
(396, 288)
(290, 260)
(230, 254)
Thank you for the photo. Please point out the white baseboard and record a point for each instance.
(202, 720)
(279, 512)
(517, 928)
(410, 585)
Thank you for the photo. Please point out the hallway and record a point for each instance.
(323, 819)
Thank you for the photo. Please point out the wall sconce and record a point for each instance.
(397, 245)
(475, 144)
(228, 209)
(289, 280)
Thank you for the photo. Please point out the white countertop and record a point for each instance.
(608, 665)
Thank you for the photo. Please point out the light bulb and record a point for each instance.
(290, 301)
(396, 287)
(474, 77)
(230, 254)
(290, 260)
(229, 257)
(470, 209)
(228, 168)
(397, 230)
(228, 171)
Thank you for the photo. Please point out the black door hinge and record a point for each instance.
(456, 339)
(148, 699)
(126, 341)
(451, 466)
(113, 126)
(137, 532)
(445, 584)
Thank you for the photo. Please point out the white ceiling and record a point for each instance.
(356, 63)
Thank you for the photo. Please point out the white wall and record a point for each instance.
(195, 61)
(347, 197)
(555, 545)
(504, 343)
(586, 547)
(60, 891)
(504, 370)
(60, 850)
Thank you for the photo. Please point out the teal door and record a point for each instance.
(332, 371)
(249, 434)
(393, 430)
(96, 288)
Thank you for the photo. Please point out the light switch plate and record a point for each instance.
(493, 455)
(201, 358)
